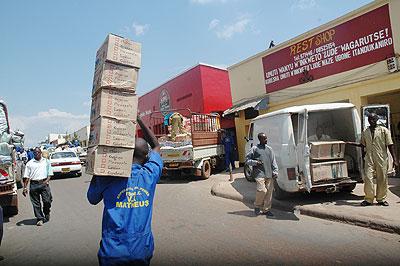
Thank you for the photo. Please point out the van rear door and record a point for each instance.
(303, 150)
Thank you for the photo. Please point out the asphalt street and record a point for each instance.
(192, 227)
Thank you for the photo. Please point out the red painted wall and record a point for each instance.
(217, 92)
(202, 89)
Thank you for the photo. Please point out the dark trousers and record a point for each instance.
(40, 192)
(229, 159)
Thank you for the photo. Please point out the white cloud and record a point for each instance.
(139, 29)
(136, 28)
(38, 126)
(303, 4)
(87, 103)
(213, 23)
(227, 31)
(203, 2)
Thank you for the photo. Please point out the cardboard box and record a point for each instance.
(328, 170)
(109, 161)
(115, 104)
(112, 132)
(119, 50)
(326, 150)
(111, 75)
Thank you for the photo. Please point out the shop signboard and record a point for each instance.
(361, 41)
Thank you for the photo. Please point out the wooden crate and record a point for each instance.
(328, 170)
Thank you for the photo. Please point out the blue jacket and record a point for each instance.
(127, 214)
(30, 155)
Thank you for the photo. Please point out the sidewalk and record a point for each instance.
(343, 207)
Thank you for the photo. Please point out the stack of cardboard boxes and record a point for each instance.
(114, 108)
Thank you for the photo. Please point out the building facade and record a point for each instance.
(202, 89)
(351, 59)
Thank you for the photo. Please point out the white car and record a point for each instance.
(66, 162)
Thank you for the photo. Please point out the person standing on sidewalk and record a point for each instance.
(265, 168)
(38, 172)
(375, 140)
(229, 147)
(127, 238)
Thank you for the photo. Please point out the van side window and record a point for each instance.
(295, 125)
(250, 137)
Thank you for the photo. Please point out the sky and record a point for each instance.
(48, 48)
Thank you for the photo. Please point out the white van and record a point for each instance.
(288, 132)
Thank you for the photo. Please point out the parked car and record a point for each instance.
(82, 156)
(66, 162)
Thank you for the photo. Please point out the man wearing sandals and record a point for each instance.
(375, 140)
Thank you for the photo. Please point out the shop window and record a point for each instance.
(250, 113)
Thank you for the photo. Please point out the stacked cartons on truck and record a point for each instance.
(114, 108)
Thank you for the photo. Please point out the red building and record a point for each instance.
(202, 89)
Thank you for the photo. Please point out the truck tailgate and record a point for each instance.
(177, 154)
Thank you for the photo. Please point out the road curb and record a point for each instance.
(380, 225)
(219, 190)
(225, 190)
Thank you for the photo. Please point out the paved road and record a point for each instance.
(192, 227)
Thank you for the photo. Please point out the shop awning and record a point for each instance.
(258, 103)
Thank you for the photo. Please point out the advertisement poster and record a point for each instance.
(361, 41)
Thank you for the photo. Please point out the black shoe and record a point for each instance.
(257, 211)
(365, 203)
(47, 218)
(269, 214)
(383, 203)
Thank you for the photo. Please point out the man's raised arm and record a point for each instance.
(149, 136)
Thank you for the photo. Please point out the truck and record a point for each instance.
(8, 184)
(307, 164)
(190, 142)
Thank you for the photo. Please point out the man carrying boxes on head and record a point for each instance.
(127, 238)
(124, 172)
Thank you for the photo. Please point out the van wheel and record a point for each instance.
(206, 170)
(279, 194)
(247, 173)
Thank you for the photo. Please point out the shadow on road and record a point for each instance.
(247, 213)
(394, 186)
(247, 190)
(63, 176)
(27, 222)
(278, 215)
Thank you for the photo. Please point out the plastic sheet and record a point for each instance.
(5, 159)
(5, 149)
(5, 137)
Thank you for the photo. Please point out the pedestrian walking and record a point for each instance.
(229, 147)
(375, 140)
(265, 169)
(37, 174)
(127, 238)
(30, 154)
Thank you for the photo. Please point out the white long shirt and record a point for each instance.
(38, 170)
